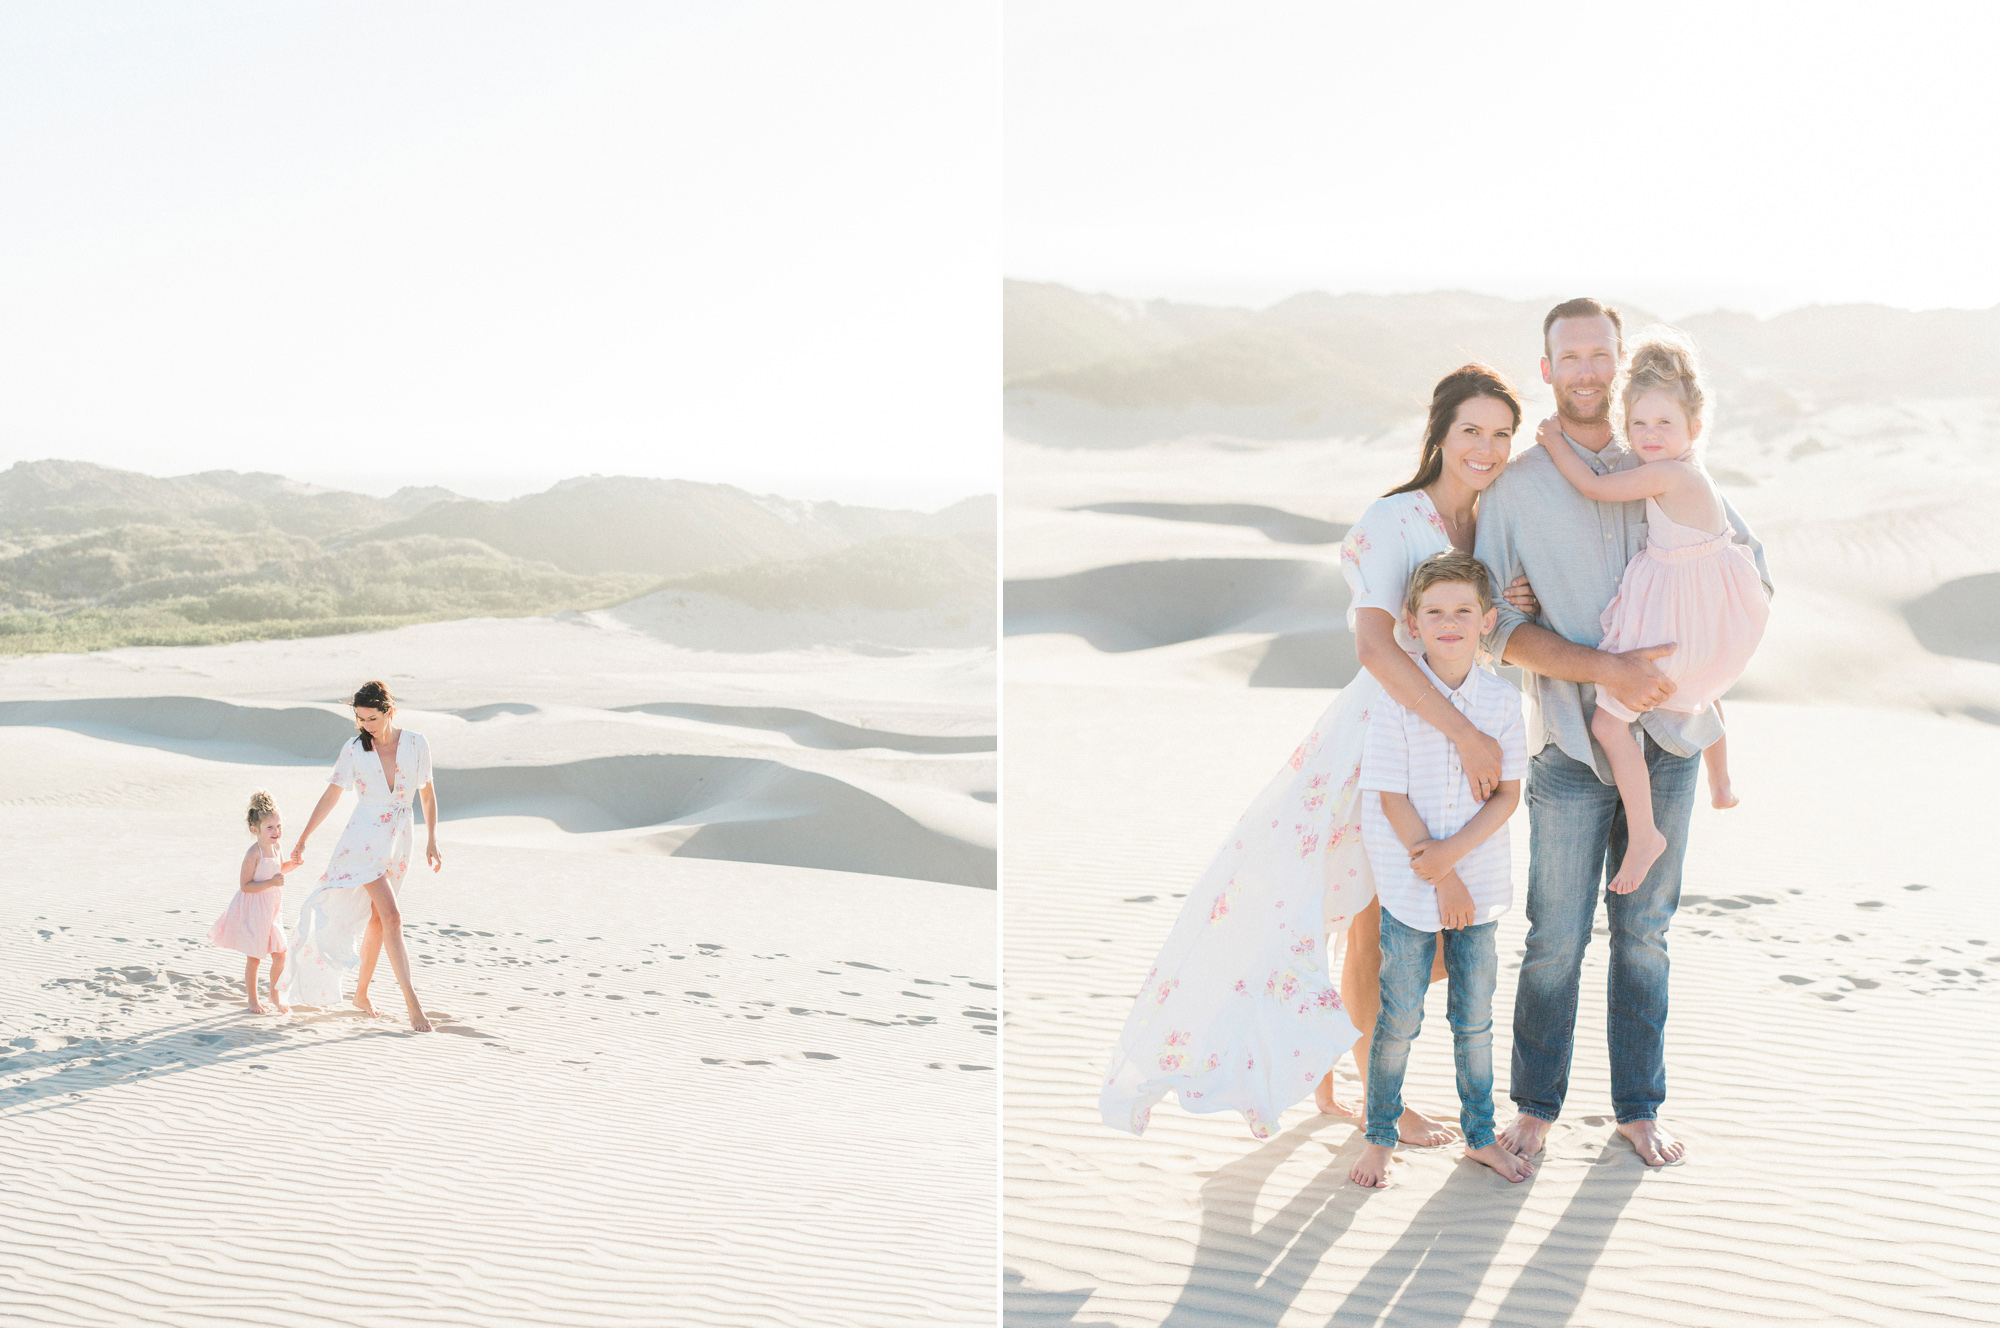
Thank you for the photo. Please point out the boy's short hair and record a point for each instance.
(1454, 566)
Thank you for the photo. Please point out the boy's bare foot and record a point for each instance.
(363, 1004)
(1372, 1170)
(1420, 1131)
(1507, 1164)
(1328, 1104)
(1720, 797)
(1524, 1135)
(1640, 855)
(1650, 1140)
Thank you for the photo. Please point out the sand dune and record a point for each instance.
(678, 1078)
(810, 730)
(1831, 937)
(1960, 617)
(721, 807)
(1135, 606)
(1280, 526)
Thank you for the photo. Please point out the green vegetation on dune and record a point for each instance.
(896, 573)
(93, 558)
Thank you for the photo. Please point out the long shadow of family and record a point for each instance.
(1603, 562)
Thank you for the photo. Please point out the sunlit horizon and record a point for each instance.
(505, 239)
(1724, 156)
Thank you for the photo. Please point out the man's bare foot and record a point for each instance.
(1721, 798)
(362, 1003)
(1420, 1131)
(1507, 1164)
(1524, 1135)
(1650, 1140)
(1328, 1104)
(1372, 1170)
(1640, 855)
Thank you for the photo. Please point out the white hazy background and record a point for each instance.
(1754, 156)
(494, 244)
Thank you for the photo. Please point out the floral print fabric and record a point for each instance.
(1241, 1011)
(376, 843)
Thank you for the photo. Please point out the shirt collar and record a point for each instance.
(1605, 461)
(1460, 695)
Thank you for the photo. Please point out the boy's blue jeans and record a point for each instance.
(1469, 962)
(1576, 830)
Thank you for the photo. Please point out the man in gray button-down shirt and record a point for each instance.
(1574, 552)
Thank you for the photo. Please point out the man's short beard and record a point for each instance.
(1566, 407)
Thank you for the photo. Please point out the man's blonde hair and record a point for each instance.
(1452, 567)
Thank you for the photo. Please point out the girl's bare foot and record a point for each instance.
(1650, 1140)
(363, 1004)
(1328, 1104)
(281, 1009)
(1720, 797)
(1640, 854)
(256, 1006)
(418, 1024)
(1420, 1131)
(1372, 1170)
(1509, 1166)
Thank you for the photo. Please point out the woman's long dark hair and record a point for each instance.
(374, 695)
(1454, 390)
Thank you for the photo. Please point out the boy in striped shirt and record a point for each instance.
(1441, 860)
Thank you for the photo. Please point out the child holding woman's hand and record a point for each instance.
(250, 923)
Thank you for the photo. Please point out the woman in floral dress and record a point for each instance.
(351, 916)
(1240, 1011)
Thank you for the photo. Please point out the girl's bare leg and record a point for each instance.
(250, 985)
(371, 950)
(391, 919)
(1361, 993)
(1715, 757)
(1643, 841)
(277, 975)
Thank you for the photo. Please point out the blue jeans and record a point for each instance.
(1469, 964)
(1576, 838)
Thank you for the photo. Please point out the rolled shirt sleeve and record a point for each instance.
(1493, 544)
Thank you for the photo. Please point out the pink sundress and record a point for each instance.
(1697, 590)
(250, 923)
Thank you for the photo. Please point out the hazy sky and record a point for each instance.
(499, 243)
(1758, 156)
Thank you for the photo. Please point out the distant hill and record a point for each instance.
(93, 557)
(894, 573)
(607, 525)
(1091, 370)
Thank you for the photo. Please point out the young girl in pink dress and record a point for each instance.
(250, 923)
(1692, 586)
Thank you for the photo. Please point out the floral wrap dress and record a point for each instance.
(326, 942)
(1241, 1011)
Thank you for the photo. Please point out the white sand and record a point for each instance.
(1830, 1052)
(710, 956)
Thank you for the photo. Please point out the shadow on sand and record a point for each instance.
(66, 1074)
(1248, 1274)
